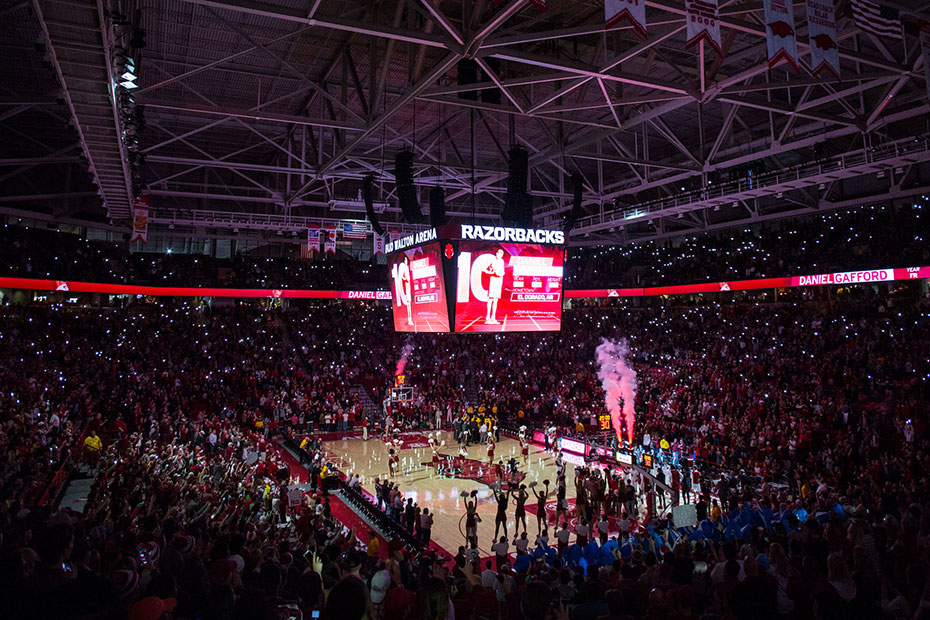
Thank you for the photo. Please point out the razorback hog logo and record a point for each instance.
(781, 29)
(824, 42)
(448, 250)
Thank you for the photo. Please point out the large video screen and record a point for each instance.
(508, 287)
(418, 292)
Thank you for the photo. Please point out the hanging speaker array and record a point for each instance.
(518, 207)
(406, 190)
(368, 197)
(575, 214)
(437, 206)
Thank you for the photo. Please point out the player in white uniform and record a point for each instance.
(495, 286)
(406, 297)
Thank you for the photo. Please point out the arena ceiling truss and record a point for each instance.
(266, 116)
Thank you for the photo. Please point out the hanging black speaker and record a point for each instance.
(437, 206)
(409, 205)
(518, 167)
(524, 211)
(403, 167)
(468, 74)
(575, 213)
(492, 95)
(406, 190)
(367, 196)
(514, 199)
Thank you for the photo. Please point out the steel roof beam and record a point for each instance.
(262, 9)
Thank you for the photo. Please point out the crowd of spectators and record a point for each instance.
(799, 408)
(860, 238)
(49, 254)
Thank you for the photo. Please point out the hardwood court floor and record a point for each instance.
(442, 495)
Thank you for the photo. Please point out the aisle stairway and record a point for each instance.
(471, 388)
(369, 406)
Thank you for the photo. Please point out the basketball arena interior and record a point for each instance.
(464, 310)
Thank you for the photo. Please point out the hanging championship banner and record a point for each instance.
(313, 239)
(779, 33)
(378, 244)
(329, 246)
(923, 31)
(633, 11)
(703, 23)
(821, 29)
(140, 219)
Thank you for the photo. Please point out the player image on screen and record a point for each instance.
(403, 270)
(508, 287)
(496, 270)
(419, 298)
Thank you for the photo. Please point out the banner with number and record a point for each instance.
(378, 247)
(923, 31)
(703, 23)
(140, 219)
(633, 11)
(780, 34)
(329, 246)
(821, 30)
(313, 239)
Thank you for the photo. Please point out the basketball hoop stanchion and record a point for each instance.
(401, 392)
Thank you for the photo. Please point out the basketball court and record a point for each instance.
(442, 494)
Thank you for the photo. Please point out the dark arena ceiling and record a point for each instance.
(262, 117)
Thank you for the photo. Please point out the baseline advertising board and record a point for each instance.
(419, 293)
(508, 287)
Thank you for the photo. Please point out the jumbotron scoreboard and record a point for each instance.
(470, 279)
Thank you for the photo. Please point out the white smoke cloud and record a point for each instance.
(619, 382)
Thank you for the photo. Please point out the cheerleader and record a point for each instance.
(525, 451)
(520, 497)
(393, 460)
(471, 518)
(542, 521)
(561, 507)
(491, 452)
(432, 446)
(500, 519)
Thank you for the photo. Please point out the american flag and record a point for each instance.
(354, 231)
(878, 19)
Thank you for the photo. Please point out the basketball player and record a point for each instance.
(519, 514)
(499, 471)
(495, 286)
(542, 520)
